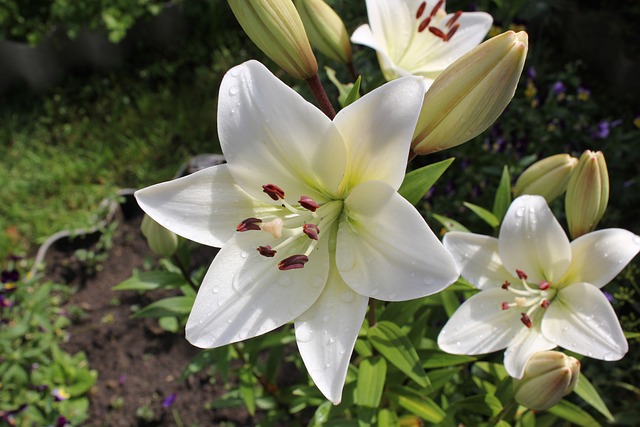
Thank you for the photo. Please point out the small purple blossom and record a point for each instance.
(558, 88)
(60, 394)
(609, 297)
(9, 276)
(531, 73)
(5, 302)
(168, 401)
(61, 421)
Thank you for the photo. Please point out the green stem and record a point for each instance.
(184, 271)
(320, 94)
(371, 315)
(177, 418)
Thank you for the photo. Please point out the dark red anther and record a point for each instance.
(544, 285)
(249, 224)
(521, 275)
(526, 320)
(308, 203)
(437, 32)
(311, 230)
(545, 303)
(454, 18)
(424, 24)
(275, 192)
(506, 285)
(293, 262)
(436, 7)
(451, 32)
(267, 251)
(505, 306)
(421, 8)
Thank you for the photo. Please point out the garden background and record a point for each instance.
(98, 98)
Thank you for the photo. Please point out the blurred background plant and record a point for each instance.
(63, 151)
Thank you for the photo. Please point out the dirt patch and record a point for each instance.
(139, 365)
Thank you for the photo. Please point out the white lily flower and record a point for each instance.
(419, 37)
(308, 217)
(538, 290)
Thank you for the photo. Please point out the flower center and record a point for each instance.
(288, 223)
(528, 298)
(432, 22)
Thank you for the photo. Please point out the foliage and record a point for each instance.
(39, 382)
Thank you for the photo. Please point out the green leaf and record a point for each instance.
(345, 90)
(631, 335)
(354, 94)
(416, 183)
(485, 404)
(321, 416)
(247, 391)
(150, 280)
(395, 346)
(503, 195)
(573, 414)
(588, 392)
(440, 377)
(174, 306)
(440, 359)
(169, 324)
(372, 373)
(449, 302)
(387, 417)
(450, 224)
(484, 214)
(419, 405)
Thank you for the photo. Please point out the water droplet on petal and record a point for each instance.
(636, 240)
(244, 333)
(392, 296)
(234, 72)
(233, 90)
(375, 292)
(609, 357)
(520, 212)
(303, 333)
(332, 340)
(216, 290)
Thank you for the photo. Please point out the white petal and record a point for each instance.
(438, 55)
(532, 240)
(392, 23)
(581, 319)
(270, 135)
(478, 259)
(244, 294)
(364, 36)
(386, 250)
(480, 325)
(377, 131)
(599, 256)
(205, 206)
(327, 332)
(528, 342)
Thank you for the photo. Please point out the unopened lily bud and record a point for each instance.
(548, 377)
(587, 193)
(276, 28)
(325, 29)
(161, 241)
(547, 177)
(471, 93)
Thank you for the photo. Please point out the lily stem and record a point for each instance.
(320, 94)
(371, 315)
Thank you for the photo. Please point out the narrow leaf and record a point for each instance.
(150, 280)
(449, 302)
(396, 347)
(588, 392)
(416, 183)
(419, 405)
(371, 377)
(247, 391)
(503, 195)
(485, 404)
(450, 224)
(440, 359)
(175, 306)
(573, 414)
(484, 214)
(354, 94)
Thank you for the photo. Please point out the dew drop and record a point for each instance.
(636, 240)
(520, 212)
(458, 343)
(304, 333)
(606, 254)
(233, 90)
(244, 254)
(609, 357)
(234, 72)
(375, 292)
(392, 296)
(244, 333)
(220, 303)
(229, 321)
(216, 290)
(332, 340)
(348, 296)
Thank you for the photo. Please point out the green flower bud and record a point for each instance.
(471, 93)
(161, 241)
(547, 177)
(548, 377)
(587, 194)
(276, 28)
(325, 29)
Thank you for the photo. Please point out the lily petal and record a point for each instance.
(599, 256)
(532, 240)
(377, 131)
(478, 258)
(364, 36)
(327, 333)
(386, 250)
(205, 206)
(526, 344)
(480, 325)
(392, 21)
(244, 294)
(271, 135)
(582, 320)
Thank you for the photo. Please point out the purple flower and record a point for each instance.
(583, 93)
(5, 302)
(61, 421)
(558, 88)
(60, 394)
(168, 401)
(9, 276)
(602, 129)
(531, 73)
